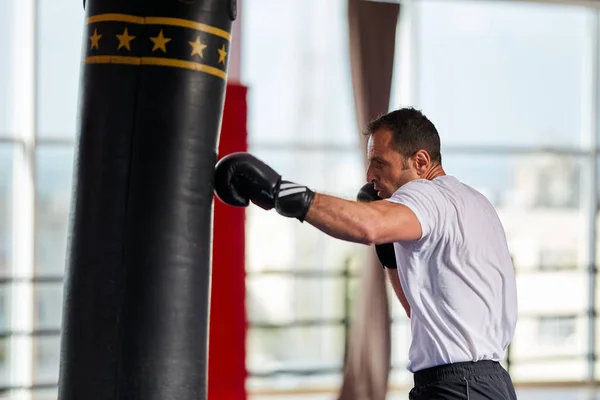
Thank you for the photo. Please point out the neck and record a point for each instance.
(434, 172)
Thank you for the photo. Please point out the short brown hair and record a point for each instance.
(411, 131)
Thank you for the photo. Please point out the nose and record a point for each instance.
(370, 175)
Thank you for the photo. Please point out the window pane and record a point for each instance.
(509, 73)
(59, 61)
(48, 305)
(319, 349)
(6, 30)
(47, 359)
(6, 175)
(54, 170)
(315, 297)
(298, 71)
(556, 330)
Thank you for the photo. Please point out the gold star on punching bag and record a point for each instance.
(125, 40)
(160, 42)
(95, 38)
(222, 55)
(198, 47)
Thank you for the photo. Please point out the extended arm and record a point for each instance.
(241, 178)
(367, 223)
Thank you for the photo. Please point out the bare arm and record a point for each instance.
(397, 286)
(367, 223)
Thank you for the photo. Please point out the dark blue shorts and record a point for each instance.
(481, 380)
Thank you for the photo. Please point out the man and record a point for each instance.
(456, 278)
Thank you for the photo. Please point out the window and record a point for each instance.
(504, 73)
(35, 182)
(301, 122)
(299, 93)
(501, 80)
(504, 82)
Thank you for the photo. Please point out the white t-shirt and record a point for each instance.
(458, 277)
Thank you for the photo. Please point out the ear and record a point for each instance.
(422, 161)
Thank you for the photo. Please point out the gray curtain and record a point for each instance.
(372, 30)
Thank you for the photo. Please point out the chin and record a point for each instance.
(383, 194)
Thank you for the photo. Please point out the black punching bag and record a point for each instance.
(135, 318)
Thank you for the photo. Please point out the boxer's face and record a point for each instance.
(388, 169)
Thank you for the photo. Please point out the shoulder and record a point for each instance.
(424, 199)
(418, 189)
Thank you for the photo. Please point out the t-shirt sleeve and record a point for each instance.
(420, 197)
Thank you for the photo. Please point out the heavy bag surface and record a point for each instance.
(137, 286)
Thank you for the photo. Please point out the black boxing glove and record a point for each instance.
(241, 178)
(385, 252)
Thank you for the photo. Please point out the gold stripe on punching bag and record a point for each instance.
(158, 41)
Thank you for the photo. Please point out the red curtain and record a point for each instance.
(228, 322)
